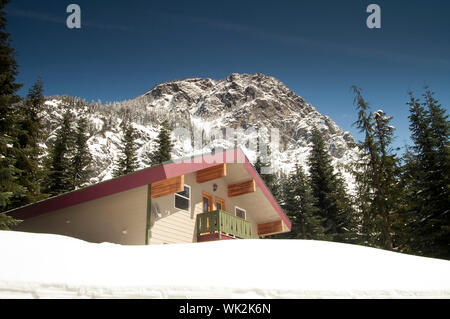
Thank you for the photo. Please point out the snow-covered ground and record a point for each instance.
(51, 266)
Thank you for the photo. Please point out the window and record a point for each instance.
(220, 203)
(241, 213)
(183, 199)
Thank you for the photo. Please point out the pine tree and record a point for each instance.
(29, 136)
(127, 161)
(376, 172)
(58, 164)
(363, 201)
(428, 174)
(404, 233)
(6, 222)
(332, 200)
(299, 205)
(82, 157)
(164, 146)
(9, 186)
(270, 179)
(31, 123)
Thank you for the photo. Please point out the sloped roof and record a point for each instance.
(144, 177)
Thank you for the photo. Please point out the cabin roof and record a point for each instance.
(144, 177)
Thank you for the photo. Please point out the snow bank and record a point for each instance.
(52, 266)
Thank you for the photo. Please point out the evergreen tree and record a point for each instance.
(404, 233)
(299, 205)
(270, 179)
(370, 162)
(6, 222)
(31, 123)
(82, 157)
(127, 162)
(29, 136)
(9, 186)
(428, 177)
(362, 201)
(392, 194)
(164, 146)
(332, 201)
(378, 168)
(59, 177)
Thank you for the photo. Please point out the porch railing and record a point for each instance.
(219, 221)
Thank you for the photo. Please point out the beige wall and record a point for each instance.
(177, 226)
(118, 218)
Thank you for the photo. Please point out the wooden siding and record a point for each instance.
(168, 186)
(175, 228)
(211, 173)
(270, 228)
(242, 188)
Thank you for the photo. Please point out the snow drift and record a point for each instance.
(52, 266)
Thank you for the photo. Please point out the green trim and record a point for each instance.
(149, 210)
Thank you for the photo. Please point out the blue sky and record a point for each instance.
(319, 49)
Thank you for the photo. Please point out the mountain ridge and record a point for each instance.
(251, 103)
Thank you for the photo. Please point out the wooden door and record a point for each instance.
(207, 202)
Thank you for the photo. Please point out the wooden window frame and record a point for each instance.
(189, 199)
(222, 203)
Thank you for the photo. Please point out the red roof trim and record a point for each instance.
(142, 178)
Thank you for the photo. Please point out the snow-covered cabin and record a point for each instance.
(202, 198)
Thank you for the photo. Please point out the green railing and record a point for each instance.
(223, 222)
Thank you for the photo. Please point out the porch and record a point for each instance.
(220, 225)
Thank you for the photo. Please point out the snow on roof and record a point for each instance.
(53, 266)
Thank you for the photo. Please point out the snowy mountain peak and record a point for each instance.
(240, 101)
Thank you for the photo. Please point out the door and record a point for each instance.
(208, 207)
(207, 202)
